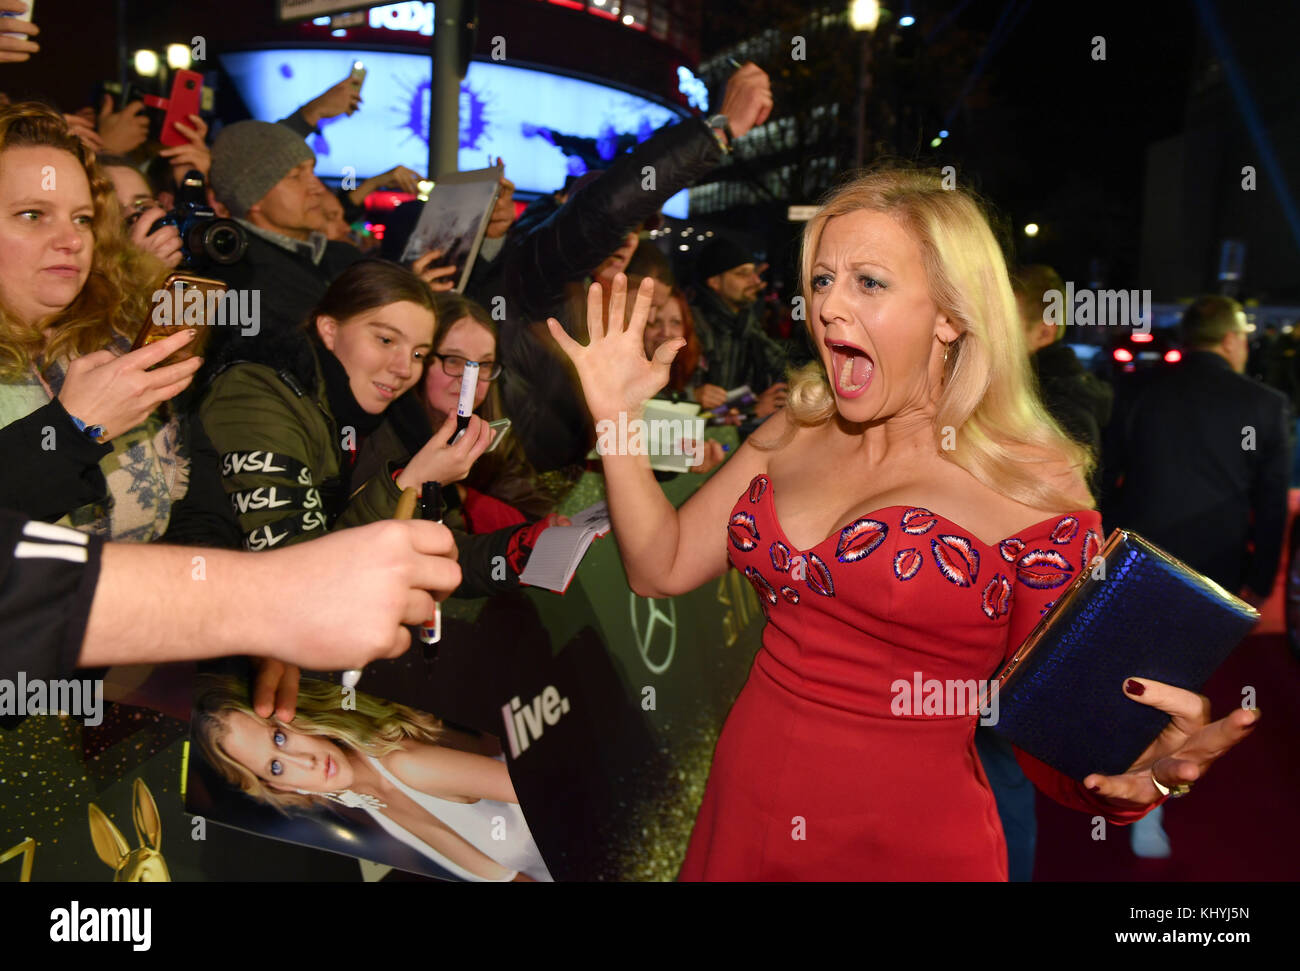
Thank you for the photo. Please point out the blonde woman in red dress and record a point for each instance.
(912, 511)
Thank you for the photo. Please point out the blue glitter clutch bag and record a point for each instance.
(1143, 613)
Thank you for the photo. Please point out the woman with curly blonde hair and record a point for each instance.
(910, 514)
(457, 808)
(76, 411)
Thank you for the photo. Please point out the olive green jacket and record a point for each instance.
(283, 461)
(282, 457)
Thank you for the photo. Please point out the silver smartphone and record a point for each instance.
(502, 427)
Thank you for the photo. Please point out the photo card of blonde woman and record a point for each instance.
(359, 775)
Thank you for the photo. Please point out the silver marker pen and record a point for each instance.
(405, 510)
(465, 407)
(432, 508)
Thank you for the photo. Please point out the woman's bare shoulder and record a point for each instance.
(781, 440)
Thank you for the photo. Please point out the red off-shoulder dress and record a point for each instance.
(827, 768)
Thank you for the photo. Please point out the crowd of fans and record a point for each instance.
(342, 393)
(345, 392)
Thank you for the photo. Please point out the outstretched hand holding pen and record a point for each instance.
(406, 503)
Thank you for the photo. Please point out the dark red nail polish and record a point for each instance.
(1134, 687)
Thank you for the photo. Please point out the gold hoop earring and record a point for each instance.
(947, 349)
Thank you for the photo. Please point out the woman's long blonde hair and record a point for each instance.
(989, 413)
(117, 297)
(374, 728)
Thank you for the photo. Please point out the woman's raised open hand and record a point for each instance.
(615, 373)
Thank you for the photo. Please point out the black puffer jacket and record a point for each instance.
(289, 286)
(734, 349)
(1080, 402)
(541, 396)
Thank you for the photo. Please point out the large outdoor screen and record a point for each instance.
(544, 126)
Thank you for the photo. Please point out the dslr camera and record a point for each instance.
(206, 238)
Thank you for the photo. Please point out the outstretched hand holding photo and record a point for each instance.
(440, 278)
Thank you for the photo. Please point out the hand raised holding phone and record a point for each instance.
(343, 98)
(119, 392)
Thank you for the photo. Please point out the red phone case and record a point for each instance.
(187, 94)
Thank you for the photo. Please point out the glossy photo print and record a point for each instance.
(360, 776)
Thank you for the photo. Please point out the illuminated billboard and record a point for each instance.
(544, 126)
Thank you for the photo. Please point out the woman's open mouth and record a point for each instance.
(851, 368)
(385, 390)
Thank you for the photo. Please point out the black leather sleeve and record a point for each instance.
(204, 517)
(587, 228)
(299, 124)
(47, 467)
(483, 568)
(48, 576)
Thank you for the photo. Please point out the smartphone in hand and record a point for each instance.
(502, 428)
(184, 300)
(187, 93)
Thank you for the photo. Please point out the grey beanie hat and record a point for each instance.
(249, 158)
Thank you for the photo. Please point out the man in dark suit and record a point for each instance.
(1197, 456)
(1197, 460)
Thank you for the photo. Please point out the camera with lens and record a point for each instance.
(206, 238)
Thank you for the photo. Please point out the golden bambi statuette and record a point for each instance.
(145, 863)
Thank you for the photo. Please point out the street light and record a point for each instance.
(864, 16)
(178, 57)
(146, 63)
(1031, 229)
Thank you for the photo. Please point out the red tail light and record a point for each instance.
(1137, 338)
(1123, 354)
(1173, 357)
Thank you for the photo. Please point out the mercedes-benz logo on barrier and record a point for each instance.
(652, 627)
